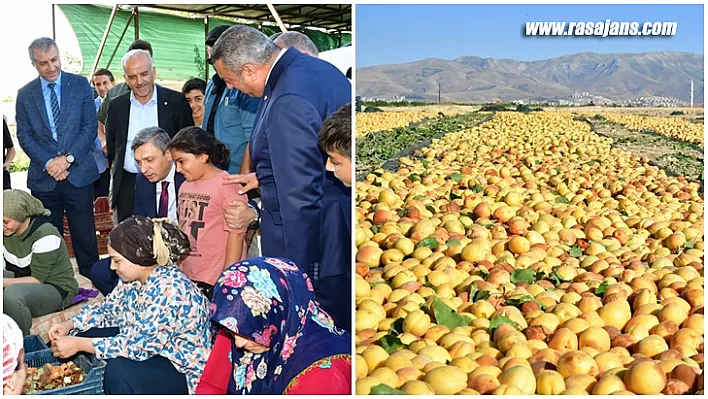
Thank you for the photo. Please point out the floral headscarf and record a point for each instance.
(272, 302)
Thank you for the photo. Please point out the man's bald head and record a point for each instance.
(298, 40)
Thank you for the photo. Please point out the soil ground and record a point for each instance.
(676, 157)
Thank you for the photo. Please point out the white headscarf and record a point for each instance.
(12, 341)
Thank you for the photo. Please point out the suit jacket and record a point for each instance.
(300, 94)
(173, 114)
(76, 131)
(145, 195)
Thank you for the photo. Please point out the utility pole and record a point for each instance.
(691, 93)
(439, 91)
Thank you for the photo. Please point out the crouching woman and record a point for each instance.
(153, 329)
(38, 278)
(273, 339)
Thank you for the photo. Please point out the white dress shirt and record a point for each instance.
(141, 116)
(171, 195)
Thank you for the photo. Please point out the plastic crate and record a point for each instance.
(92, 366)
(33, 343)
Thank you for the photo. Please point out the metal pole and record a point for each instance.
(137, 23)
(277, 18)
(120, 40)
(103, 39)
(54, 22)
(206, 53)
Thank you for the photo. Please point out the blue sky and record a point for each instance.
(389, 34)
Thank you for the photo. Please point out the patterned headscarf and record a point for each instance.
(12, 342)
(19, 205)
(148, 242)
(271, 302)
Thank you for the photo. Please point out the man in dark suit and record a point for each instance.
(298, 92)
(146, 105)
(156, 189)
(56, 127)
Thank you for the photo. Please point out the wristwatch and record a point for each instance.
(69, 158)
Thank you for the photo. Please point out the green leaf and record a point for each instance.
(397, 326)
(482, 295)
(383, 389)
(554, 192)
(473, 290)
(376, 183)
(518, 301)
(477, 188)
(417, 197)
(446, 316)
(489, 225)
(562, 200)
(425, 163)
(523, 276)
(624, 213)
(457, 176)
(495, 322)
(431, 209)
(375, 228)
(375, 283)
(602, 288)
(402, 213)
(576, 251)
(429, 242)
(454, 196)
(390, 343)
(592, 162)
(483, 274)
(555, 279)
(689, 244)
(453, 242)
(414, 177)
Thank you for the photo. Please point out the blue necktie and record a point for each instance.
(55, 104)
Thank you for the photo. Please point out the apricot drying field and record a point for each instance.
(527, 255)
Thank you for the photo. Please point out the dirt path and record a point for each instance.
(676, 157)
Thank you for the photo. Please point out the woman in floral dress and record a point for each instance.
(273, 339)
(153, 329)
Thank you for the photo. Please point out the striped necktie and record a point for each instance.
(55, 104)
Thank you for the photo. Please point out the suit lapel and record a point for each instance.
(38, 97)
(162, 108)
(179, 179)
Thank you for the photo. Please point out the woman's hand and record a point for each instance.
(64, 347)
(59, 330)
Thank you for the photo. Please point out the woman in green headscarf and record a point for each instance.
(38, 277)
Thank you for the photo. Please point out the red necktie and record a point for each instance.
(164, 201)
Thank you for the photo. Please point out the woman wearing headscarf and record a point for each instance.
(38, 277)
(14, 370)
(153, 329)
(273, 339)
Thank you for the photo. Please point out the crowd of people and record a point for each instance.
(191, 299)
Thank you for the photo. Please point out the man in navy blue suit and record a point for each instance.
(56, 127)
(297, 93)
(156, 189)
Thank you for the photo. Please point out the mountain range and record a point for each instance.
(470, 79)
